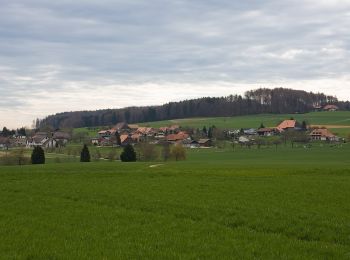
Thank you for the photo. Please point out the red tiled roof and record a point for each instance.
(286, 124)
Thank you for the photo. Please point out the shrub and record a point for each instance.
(178, 152)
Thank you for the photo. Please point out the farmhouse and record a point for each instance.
(205, 142)
(323, 134)
(266, 131)
(177, 137)
(286, 125)
(125, 140)
(331, 108)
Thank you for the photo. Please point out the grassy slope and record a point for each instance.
(315, 118)
(289, 203)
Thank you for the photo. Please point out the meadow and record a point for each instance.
(338, 122)
(284, 203)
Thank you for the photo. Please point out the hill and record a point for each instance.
(261, 101)
(336, 119)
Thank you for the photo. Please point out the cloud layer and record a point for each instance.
(73, 55)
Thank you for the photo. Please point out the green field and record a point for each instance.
(218, 204)
(270, 120)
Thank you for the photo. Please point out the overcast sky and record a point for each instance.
(65, 55)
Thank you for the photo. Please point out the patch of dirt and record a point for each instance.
(155, 165)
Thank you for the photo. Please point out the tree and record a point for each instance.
(19, 154)
(204, 130)
(261, 126)
(304, 126)
(117, 138)
(166, 151)
(210, 132)
(178, 152)
(85, 154)
(38, 155)
(148, 152)
(128, 154)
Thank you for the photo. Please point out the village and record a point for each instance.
(123, 134)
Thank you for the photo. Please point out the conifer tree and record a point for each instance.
(38, 155)
(117, 136)
(128, 154)
(85, 154)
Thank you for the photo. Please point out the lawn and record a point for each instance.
(218, 204)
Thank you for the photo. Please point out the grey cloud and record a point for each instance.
(57, 44)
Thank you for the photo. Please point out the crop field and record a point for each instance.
(284, 203)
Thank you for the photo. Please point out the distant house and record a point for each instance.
(125, 140)
(39, 139)
(121, 127)
(205, 142)
(323, 134)
(95, 141)
(251, 131)
(286, 125)
(243, 140)
(190, 143)
(177, 137)
(331, 108)
(266, 131)
(107, 134)
(4, 142)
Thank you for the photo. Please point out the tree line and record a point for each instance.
(279, 100)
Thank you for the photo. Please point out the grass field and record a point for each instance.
(270, 120)
(332, 119)
(219, 204)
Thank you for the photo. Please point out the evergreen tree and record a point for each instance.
(85, 154)
(117, 136)
(38, 155)
(128, 154)
(205, 130)
(210, 132)
(261, 126)
(304, 126)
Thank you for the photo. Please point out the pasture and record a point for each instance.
(264, 203)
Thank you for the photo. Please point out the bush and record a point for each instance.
(178, 152)
(128, 154)
(38, 155)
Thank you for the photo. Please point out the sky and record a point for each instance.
(58, 56)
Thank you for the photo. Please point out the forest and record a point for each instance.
(264, 100)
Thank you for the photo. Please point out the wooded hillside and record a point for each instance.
(258, 101)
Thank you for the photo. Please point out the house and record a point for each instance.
(286, 125)
(4, 142)
(121, 127)
(331, 108)
(266, 131)
(190, 143)
(205, 142)
(180, 136)
(95, 141)
(125, 140)
(250, 131)
(38, 139)
(146, 131)
(107, 134)
(243, 140)
(323, 134)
